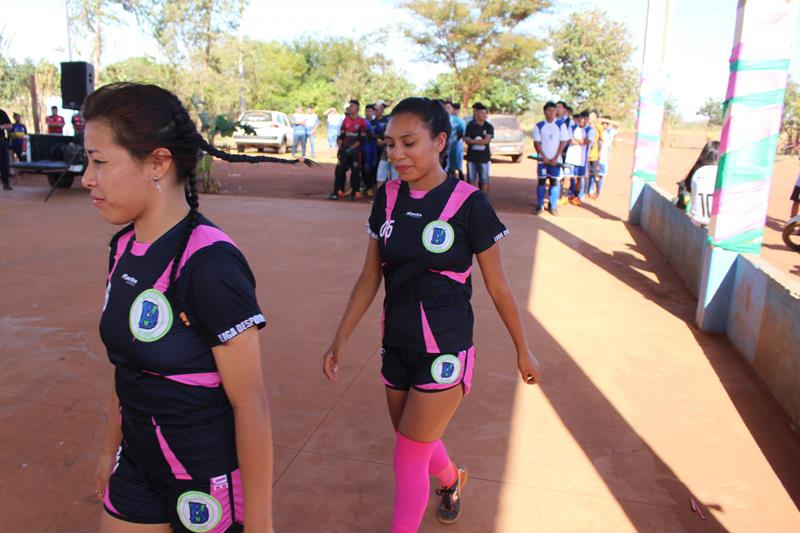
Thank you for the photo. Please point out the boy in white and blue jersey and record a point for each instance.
(576, 153)
(549, 138)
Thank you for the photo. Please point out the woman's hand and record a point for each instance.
(103, 473)
(330, 362)
(529, 368)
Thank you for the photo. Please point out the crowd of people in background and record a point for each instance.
(571, 146)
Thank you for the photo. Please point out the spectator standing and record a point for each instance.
(478, 135)
(455, 157)
(593, 170)
(370, 151)
(18, 132)
(549, 139)
(299, 130)
(55, 122)
(334, 120)
(354, 130)
(312, 121)
(5, 160)
(77, 123)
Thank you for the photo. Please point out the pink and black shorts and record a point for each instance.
(403, 369)
(213, 505)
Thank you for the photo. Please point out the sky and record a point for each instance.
(699, 42)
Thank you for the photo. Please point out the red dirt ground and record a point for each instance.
(639, 412)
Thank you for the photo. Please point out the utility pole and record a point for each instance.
(650, 117)
(69, 30)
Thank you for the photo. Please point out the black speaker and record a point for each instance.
(77, 81)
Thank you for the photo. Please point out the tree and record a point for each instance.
(791, 114)
(593, 53)
(90, 18)
(479, 40)
(712, 110)
(499, 96)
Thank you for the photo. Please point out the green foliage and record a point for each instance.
(138, 69)
(480, 42)
(592, 53)
(712, 110)
(499, 96)
(791, 104)
(15, 94)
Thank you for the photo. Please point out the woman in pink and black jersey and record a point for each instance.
(188, 444)
(424, 231)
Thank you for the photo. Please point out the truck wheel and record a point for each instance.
(516, 158)
(240, 148)
(282, 147)
(66, 181)
(260, 149)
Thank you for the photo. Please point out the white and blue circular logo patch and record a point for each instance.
(151, 316)
(198, 511)
(446, 369)
(438, 236)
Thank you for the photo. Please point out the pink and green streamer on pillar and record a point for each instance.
(759, 67)
(648, 126)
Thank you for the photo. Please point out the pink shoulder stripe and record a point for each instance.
(202, 236)
(457, 198)
(122, 243)
(392, 189)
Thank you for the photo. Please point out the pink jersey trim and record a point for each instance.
(218, 489)
(122, 243)
(238, 497)
(457, 198)
(202, 236)
(417, 195)
(201, 379)
(470, 370)
(392, 189)
(460, 277)
(427, 333)
(107, 502)
(175, 465)
(139, 248)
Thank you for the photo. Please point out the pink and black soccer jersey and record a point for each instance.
(176, 418)
(427, 246)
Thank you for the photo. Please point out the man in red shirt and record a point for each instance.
(55, 122)
(77, 123)
(351, 137)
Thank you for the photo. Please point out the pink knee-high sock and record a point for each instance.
(441, 467)
(412, 485)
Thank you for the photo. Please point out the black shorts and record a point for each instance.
(403, 369)
(213, 505)
(795, 194)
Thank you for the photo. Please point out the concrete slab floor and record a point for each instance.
(638, 413)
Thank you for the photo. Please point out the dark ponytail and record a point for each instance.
(433, 115)
(146, 117)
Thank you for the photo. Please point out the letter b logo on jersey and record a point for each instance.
(149, 318)
(438, 236)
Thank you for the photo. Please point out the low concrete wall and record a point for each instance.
(672, 231)
(763, 320)
(764, 324)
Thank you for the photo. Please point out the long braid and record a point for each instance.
(240, 158)
(194, 203)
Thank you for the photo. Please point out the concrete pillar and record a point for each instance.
(650, 116)
(765, 31)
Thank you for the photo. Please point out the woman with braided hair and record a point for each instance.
(179, 322)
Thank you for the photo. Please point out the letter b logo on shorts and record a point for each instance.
(446, 369)
(438, 236)
(199, 512)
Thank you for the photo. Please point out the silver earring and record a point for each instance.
(158, 185)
